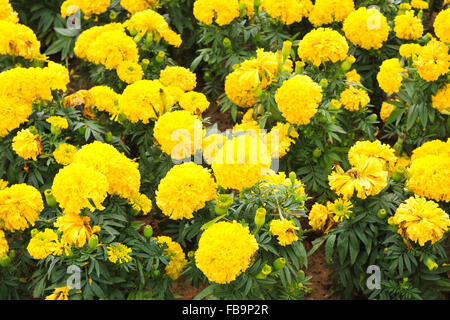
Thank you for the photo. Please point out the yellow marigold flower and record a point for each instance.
(175, 92)
(152, 24)
(179, 77)
(121, 172)
(287, 11)
(134, 6)
(386, 110)
(4, 247)
(285, 134)
(129, 72)
(322, 45)
(409, 50)
(27, 144)
(194, 102)
(184, 190)
(318, 216)
(284, 230)
(87, 7)
(108, 45)
(367, 28)
(298, 99)
(442, 26)
(145, 100)
(329, 11)
(43, 244)
(58, 122)
(119, 253)
(390, 76)
(340, 208)
(211, 145)
(270, 180)
(224, 251)
(433, 147)
(354, 98)
(104, 98)
(222, 12)
(178, 258)
(176, 132)
(56, 75)
(421, 220)
(61, 293)
(141, 203)
(240, 86)
(7, 13)
(441, 100)
(75, 184)
(353, 76)
(64, 153)
(419, 4)
(18, 40)
(433, 60)
(75, 229)
(376, 150)
(407, 26)
(368, 178)
(240, 162)
(20, 206)
(3, 184)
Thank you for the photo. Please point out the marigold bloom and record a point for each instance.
(433, 60)
(376, 150)
(329, 11)
(27, 144)
(20, 206)
(61, 293)
(129, 71)
(134, 6)
(432, 148)
(442, 26)
(441, 100)
(407, 26)
(287, 11)
(419, 4)
(141, 203)
(119, 253)
(386, 110)
(194, 102)
(75, 229)
(7, 12)
(421, 220)
(340, 208)
(390, 76)
(4, 247)
(284, 230)
(64, 153)
(222, 12)
(318, 216)
(408, 50)
(179, 77)
(88, 7)
(104, 98)
(353, 76)
(184, 190)
(58, 122)
(224, 251)
(18, 40)
(354, 98)
(178, 258)
(43, 244)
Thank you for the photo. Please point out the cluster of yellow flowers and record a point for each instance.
(69, 7)
(224, 251)
(184, 190)
(421, 220)
(27, 144)
(44, 243)
(7, 12)
(287, 11)
(18, 40)
(134, 6)
(284, 230)
(329, 11)
(441, 25)
(220, 12)
(178, 258)
(354, 98)
(64, 153)
(119, 253)
(179, 77)
(390, 75)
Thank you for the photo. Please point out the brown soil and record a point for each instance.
(185, 291)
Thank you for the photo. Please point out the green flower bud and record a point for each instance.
(299, 67)
(50, 198)
(279, 263)
(258, 92)
(373, 117)
(345, 65)
(93, 241)
(148, 231)
(156, 273)
(55, 131)
(317, 153)
(160, 57)
(324, 83)
(266, 270)
(82, 130)
(432, 265)
(112, 15)
(286, 51)
(260, 217)
(109, 136)
(382, 214)
(398, 174)
(5, 261)
(256, 4)
(398, 146)
(227, 42)
(137, 38)
(334, 104)
(191, 254)
(223, 202)
(260, 276)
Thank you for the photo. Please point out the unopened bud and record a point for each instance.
(148, 231)
(382, 213)
(279, 263)
(299, 67)
(260, 217)
(50, 198)
(432, 265)
(93, 241)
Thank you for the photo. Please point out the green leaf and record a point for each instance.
(329, 246)
(205, 292)
(71, 33)
(210, 223)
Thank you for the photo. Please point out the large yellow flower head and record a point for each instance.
(298, 99)
(285, 134)
(152, 24)
(390, 75)
(88, 7)
(340, 208)
(176, 133)
(419, 4)
(432, 148)
(284, 230)
(119, 253)
(108, 45)
(224, 251)
(27, 144)
(20, 206)
(76, 184)
(7, 12)
(18, 40)
(145, 100)
(194, 102)
(442, 26)
(408, 50)
(329, 11)
(367, 28)
(177, 257)
(322, 45)
(287, 11)
(407, 26)
(386, 110)
(441, 100)
(353, 76)
(129, 71)
(221, 12)
(121, 172)
(318, 216)
(4, 247)
(241, 162)
(433, 60)
(104, 98)
(75, 229)
(368, 178)
(354, 98)
(134, 6)
(58, 122)
(184, 190)
(180, 77)
(64, 153)
(61, 293)
(43, 244)
(240, 86)
(376, 150)
(421, 220)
